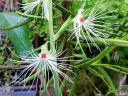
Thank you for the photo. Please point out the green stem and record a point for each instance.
(33, 16)
(45, 87)
(29, 16)
(50, 21)
(48, 83)
(82, 50)
(98, 57)
(115, 42)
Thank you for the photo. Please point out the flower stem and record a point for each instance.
(82, 50)
(50, 21)
(29, 16)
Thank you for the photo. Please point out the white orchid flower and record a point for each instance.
(92, 26)
(43, 63)
(32, 7)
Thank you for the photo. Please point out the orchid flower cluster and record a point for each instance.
(49, 60)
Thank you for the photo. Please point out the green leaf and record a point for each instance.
(19, 36)
(96, 73)
(109, 80)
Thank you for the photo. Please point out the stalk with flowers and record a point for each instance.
(80, 48)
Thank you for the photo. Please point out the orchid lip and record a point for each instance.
(43, 56)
